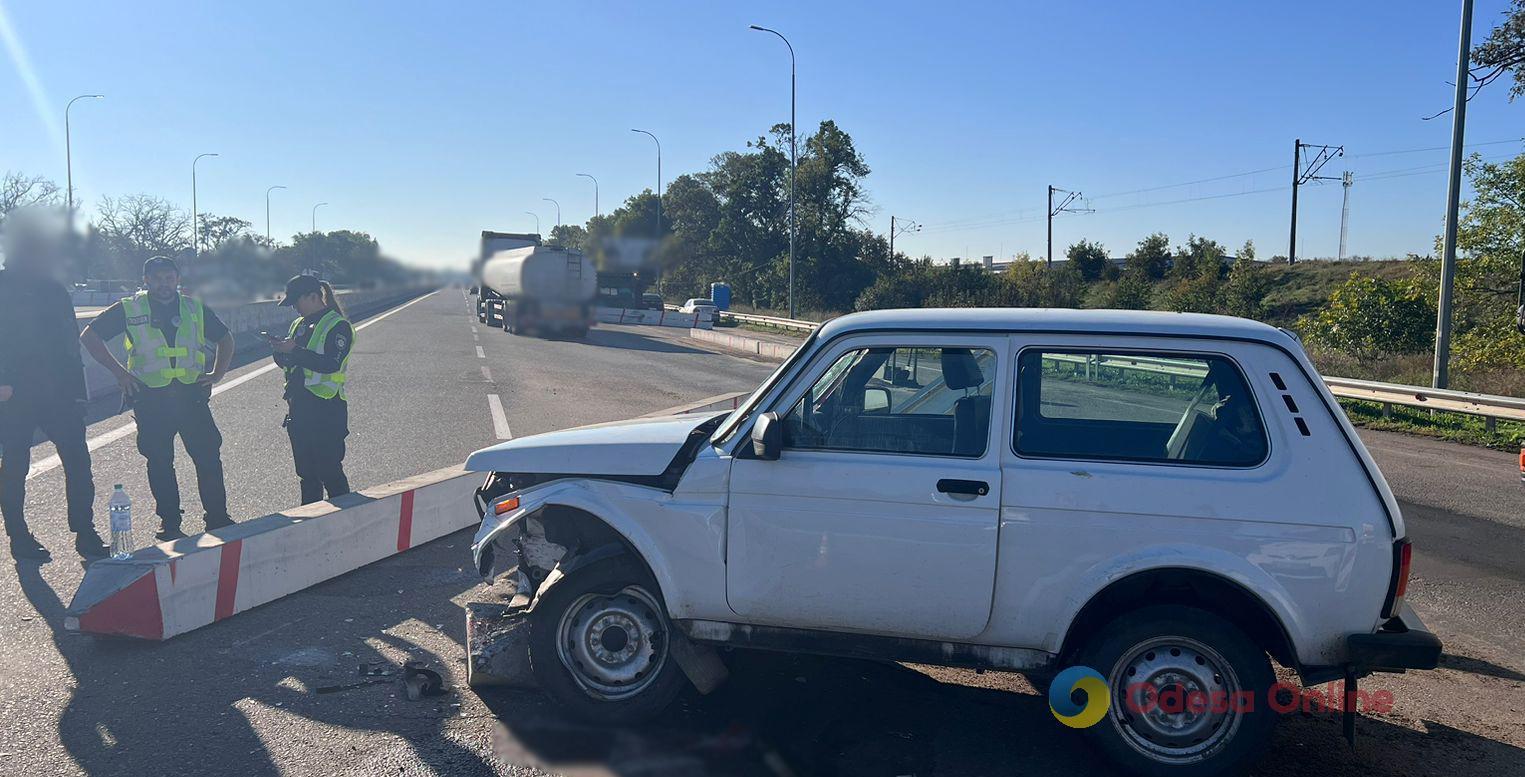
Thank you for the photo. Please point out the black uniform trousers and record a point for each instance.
(317, 428)
(63, 421)
(179, 409)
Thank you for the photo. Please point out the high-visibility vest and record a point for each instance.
(324, 385)
(150, 357)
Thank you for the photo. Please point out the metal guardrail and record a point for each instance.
(1490, 406)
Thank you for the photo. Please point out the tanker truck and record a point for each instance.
(537, 289)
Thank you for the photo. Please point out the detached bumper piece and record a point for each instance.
(1403, 643)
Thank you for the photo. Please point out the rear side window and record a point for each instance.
(1166, 408)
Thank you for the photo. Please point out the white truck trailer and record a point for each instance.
(537, 289)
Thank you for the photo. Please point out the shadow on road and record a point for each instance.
(802, 715)
(608, 338)
(189, 705)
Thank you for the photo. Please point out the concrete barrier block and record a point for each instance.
(169, 589)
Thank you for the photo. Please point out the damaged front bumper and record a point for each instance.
(512, 539)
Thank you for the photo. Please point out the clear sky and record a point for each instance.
(424, 123)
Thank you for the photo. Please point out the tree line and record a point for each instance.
(233, 260)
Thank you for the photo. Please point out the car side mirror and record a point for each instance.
(767, 437)
(876, 400)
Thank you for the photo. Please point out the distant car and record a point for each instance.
(651, 301)
(699, 305)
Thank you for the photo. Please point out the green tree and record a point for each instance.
(1372, 317)
(1244, 292)
(1503, 53)
(569, 236)
(1151, 259)
(1134, 291)
(1089, 259)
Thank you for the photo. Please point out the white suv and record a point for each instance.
(1165, 499)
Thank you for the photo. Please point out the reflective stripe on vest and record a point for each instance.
(150, 357)
(324, 385)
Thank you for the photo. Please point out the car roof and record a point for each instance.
(1124, 322)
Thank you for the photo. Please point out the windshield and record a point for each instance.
(749, 405)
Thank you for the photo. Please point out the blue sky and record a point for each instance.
(426, 123)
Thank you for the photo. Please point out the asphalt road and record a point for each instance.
(254, 695)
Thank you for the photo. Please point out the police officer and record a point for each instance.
(42, 384)
(177, 349)
(315, 355)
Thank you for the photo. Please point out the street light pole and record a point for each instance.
(793, 160)
(1442, 372)
(659, 178)
(195, 227)
(267, 214)
(558, 209)
(69, 155)
(596, 214)
(537, 221)
(315, 216)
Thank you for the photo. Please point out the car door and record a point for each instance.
(881, 513)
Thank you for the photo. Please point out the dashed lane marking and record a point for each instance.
(480, 353)
(125, 430)
(499, 418)
(487, 374)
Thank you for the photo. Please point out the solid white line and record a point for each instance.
(499, 418)
(106, 438)
(480, 353)
(487, 374)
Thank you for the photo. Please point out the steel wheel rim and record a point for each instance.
(613, 645)
(1180, 737)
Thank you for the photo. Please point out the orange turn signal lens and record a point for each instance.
(506, 506)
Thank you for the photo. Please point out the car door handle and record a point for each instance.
(969, 487)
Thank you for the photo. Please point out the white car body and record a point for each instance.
(699, 306)
(836, 546)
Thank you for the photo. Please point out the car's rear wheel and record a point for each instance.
(1217, 717)
(599, 644)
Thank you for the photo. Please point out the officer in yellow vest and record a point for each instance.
(177, 349)
(315, 355)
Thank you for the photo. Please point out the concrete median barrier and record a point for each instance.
(172, 588)
(671, 318)
(768, 349)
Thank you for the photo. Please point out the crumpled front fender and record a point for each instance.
(571, 492)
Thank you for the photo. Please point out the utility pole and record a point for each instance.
(1064, 207)
(910, 226)
(794, 163)
(558, 209)
(269, 241)
(659, 179)
(1345, 181)
(315, 216)
(1303, 173)
(69, 155)
(195, 228)
(596, 213)
(1442, 373)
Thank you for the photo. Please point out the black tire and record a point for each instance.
(1189, 640)
(609, 598)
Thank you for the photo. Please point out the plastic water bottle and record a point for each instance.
(120, 508)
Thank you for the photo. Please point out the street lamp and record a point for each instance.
(267, 214)
(558, 209)
(659, 178)
(69, 153)
(793, 161)
(195, 227)
(537, 221)
(595, 192)
(315, 216)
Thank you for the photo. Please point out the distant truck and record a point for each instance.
(533, 288)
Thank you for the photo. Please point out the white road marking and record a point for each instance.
(487, 374)
(475, 338)
(125, 430)
(473, 330)
(480, 353)
(499, 418)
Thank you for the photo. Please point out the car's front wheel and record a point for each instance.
(1189, 693)
(599, 644)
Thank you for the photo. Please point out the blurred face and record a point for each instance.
(308, 304)
(163, 283)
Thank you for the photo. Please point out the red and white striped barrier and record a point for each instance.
(169, 589)
(663, 317)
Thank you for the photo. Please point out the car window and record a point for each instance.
(932, 401)
(1194, 409)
